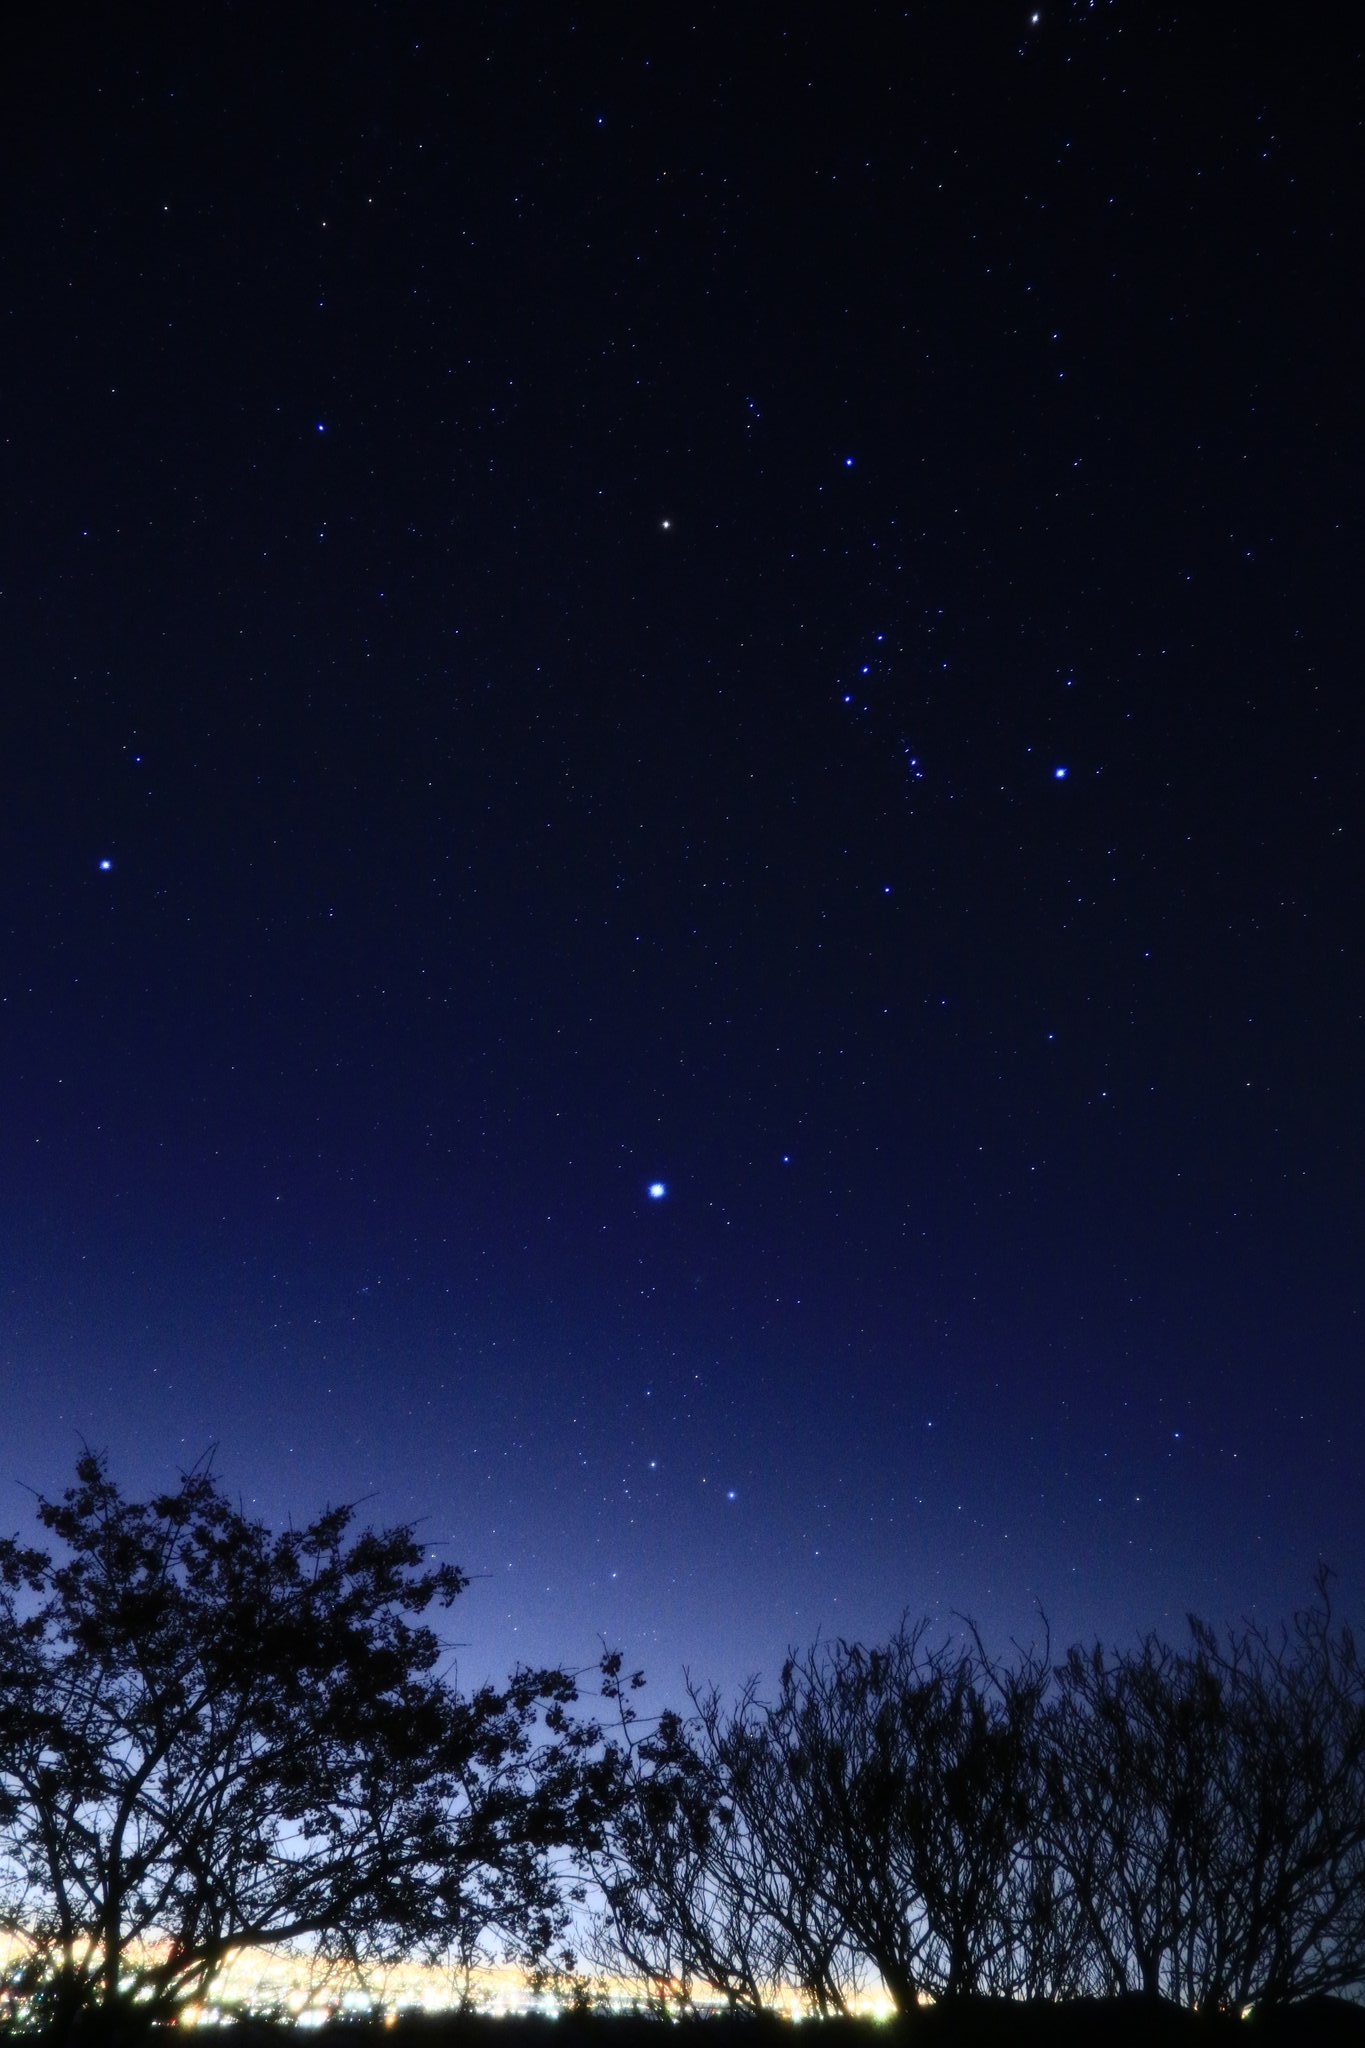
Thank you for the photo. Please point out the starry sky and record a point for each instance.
(682, 798)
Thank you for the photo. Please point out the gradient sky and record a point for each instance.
(764, 601)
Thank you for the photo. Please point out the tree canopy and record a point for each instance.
(213, 1736)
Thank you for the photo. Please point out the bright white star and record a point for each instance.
(657, 1191)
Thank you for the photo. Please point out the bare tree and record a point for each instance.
(1282, 1867)
(1187, 1825)
(1132, 1746)
(670, 1869)
(910, 1771)
(1208, 1807)
(776, 1868)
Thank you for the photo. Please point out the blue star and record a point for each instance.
(105, 866)
(657, 1190)
(1059, 775)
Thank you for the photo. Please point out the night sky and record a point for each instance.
(756, 603)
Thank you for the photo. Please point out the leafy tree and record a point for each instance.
(214, 1736)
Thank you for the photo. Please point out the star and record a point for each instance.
(657, 1190)
(105, 866)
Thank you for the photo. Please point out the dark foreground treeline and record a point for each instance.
(1188, 1824)
(214, 1737)
(968, 2023)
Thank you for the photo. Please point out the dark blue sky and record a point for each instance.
(765, 605)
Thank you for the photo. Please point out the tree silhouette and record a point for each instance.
(878, 1812)
(1286, 1864)
(1208, 1806)
(693, 1894)
(212, 1736)
(913, 1768)
(1184, 1826)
